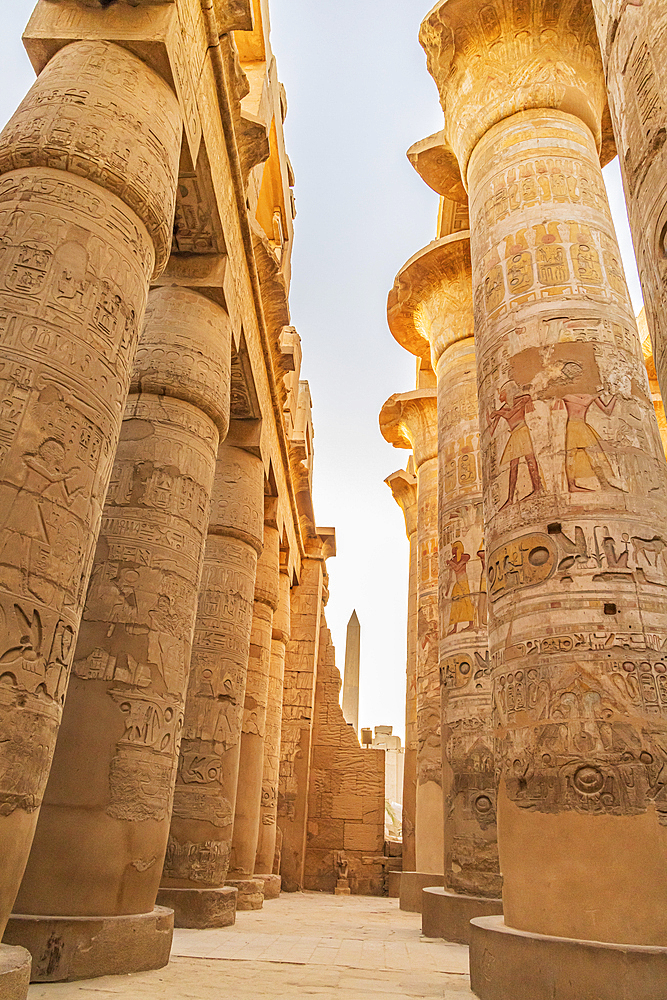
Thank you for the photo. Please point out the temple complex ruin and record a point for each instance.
(173, 749)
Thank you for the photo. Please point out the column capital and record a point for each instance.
(490, 61)
(410, 420)
(403, 486)
(437, 166)
(430, 306)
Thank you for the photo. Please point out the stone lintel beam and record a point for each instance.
(409, 420)
(436, 164)
(491, 61)
(428, 309)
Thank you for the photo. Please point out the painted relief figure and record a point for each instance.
(585, 457)
(482, 599)
(462, 609)
(515, 406)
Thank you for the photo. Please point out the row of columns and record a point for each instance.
(551, 461)
(138, 552)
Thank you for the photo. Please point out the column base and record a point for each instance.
(250, 893)
(272, 885)
(394, 884)
(412, 883)
(67, 948)
(14, 972)
(448, 914)
(506, 964)
(200, 908)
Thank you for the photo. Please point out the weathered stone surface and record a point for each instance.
(574, 506)
(431, 308)
(271, 885)
(403, 485)
(409, 420)
(266, 844)
(87, 204)
(201, 827)
(411, 886)
(102, 833)
(250, 893)
(297, 720)
(14, 972)
(67, 948)
(201, 908)
(346, 794)
(506, 963)
(253, 731)
(448, 914)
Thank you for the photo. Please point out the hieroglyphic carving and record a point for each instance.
(208, 766)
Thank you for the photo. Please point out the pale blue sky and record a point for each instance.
(358, 96)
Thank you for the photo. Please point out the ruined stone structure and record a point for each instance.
(346, 794)
(157, 534)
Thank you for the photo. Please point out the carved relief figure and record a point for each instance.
(515, 406)
(585, 457)
(462, 609)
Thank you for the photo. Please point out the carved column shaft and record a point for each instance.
(297, 719)
(266, 847)
(403, 486)
(633, 40)
(409, 420)
(574, 500)
(204, 798)
(566, 493)
(471, 851)
(251, 765)
(113, 771)
(86, 210)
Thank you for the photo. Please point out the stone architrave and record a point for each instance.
(251, 765)
(403, 486)
(200, 838)
(633, 40)
(112, 778)
(89, 165)
(409, 420)
(430, 311)
(266, 846)
(575, 515)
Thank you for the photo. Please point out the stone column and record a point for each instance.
(574, 505)
(200, 838)
(409, 420)
(265, 866)
(403, 486)
(89, 164)
(633, 40)
(430, 312)
(113, 771)
(308, 599)
(251, 765)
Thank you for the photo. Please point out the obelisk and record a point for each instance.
(351, 675)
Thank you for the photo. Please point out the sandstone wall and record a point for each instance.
(346, 792)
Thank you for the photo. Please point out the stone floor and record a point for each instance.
(300, 945)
